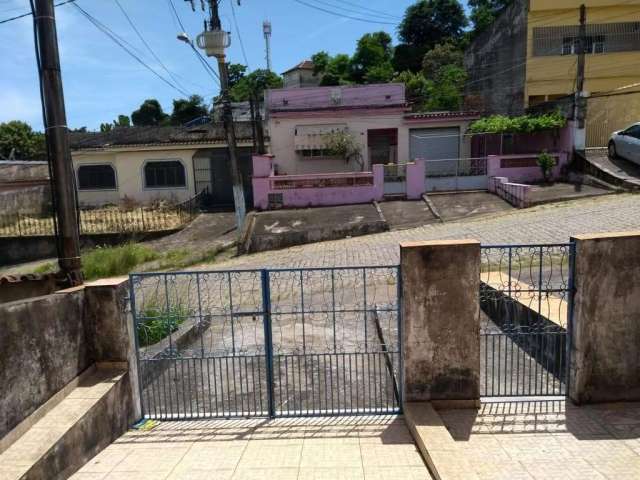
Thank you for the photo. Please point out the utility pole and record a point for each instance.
(579, 102)
(59, 153)
(214, 46)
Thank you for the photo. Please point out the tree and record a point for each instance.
(445, 92)
(150, 113)
(425, 24)
(18, 139)
(236, 73)
(186, 109)
(332, 70)
(416, 88)
(484, 12)
(373, 51)
(441, 55)
(254, 84)
(121, 122)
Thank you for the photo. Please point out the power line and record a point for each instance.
(146, 44)
(175, 14)
(235, 22)
(104, 29)
(342, 15)
(360, 11)
(30, 13)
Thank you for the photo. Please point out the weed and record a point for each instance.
(105, 262)
(157, 323)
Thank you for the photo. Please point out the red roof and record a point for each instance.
(304, 65)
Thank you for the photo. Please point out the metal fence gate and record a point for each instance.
(274, 342)
(526, 309)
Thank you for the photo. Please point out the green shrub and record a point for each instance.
(113, 261)
(546, 163)
(522, 124)
(156, 323)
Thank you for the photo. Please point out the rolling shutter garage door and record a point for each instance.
(434, 143)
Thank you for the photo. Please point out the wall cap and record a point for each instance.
(438, 243)
(107, 282)
(606, 235)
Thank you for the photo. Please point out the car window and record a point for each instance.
(633, 131)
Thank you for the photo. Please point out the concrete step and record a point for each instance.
(68, 430)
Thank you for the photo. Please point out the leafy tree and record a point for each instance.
(426, 24)
(484, 12)
(150, 113)
(254, 84)
(416, 88)
(122, 121)
(441, 55)
(334, 70)
(106, 127)
(374, 51)
(186, 109)
(19, 139)
(236, 72)
(445, 92)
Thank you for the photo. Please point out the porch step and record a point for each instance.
(73, 426)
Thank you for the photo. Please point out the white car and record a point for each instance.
(626, 143)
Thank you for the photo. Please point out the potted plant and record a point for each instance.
(546, 163)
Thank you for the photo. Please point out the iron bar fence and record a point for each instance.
(281, 342)
(105, 220)
(456, 167)
(526, 306)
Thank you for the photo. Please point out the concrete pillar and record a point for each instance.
(416, 179)
(110, 330)
(441, 321)
(605, 356)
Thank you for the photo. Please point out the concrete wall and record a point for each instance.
(48, 341)
(605, 356)
(43, 346)
(36, 199)
(499, 166)
(441, 320)
(129, 166)
(496, 60)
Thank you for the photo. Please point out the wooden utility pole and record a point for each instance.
(227, 119)
(59, 153)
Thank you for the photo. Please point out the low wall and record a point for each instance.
(46, 342)
(43, 346)
(523, 167)
(32, 199)
(15, 250)
(517, 194)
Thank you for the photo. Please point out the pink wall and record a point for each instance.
(364, 187)
(415, 179)
(287, 99)
(532, 173)
(516, 194)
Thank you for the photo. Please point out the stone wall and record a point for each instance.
(605, 357)
(496, 62)
(32, 199)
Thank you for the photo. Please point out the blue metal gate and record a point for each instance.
(274, 342)
(526, 306)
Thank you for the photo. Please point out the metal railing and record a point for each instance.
(456, 167)
(526, 306)
(395, 172)
(105, 220)
(289, 342)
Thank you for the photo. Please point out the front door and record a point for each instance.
(383, 145)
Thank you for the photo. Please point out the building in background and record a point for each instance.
(528, 57)
(301, 75)
(148, 164)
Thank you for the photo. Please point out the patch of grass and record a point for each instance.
(105, 262)
(45, 268)
(157, 323)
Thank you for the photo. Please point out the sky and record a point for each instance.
(102, 81)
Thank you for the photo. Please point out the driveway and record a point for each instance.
(351, 448)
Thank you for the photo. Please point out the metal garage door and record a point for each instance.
(434, 143)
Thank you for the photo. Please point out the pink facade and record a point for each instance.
(415, 179)
(524, 167)
(314, 190)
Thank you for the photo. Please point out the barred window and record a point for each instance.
(600, 38)
(96, 177)
(164, 174)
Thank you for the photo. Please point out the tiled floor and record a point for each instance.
(315, 448)
(542, 440)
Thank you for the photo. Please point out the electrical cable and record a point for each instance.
(6, 20)
(350, 17)
(235, 22)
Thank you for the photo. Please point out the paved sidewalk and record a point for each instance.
(331, 448)
(544, 224)
(542, 440)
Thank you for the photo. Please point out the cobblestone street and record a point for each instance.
(543, 224)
